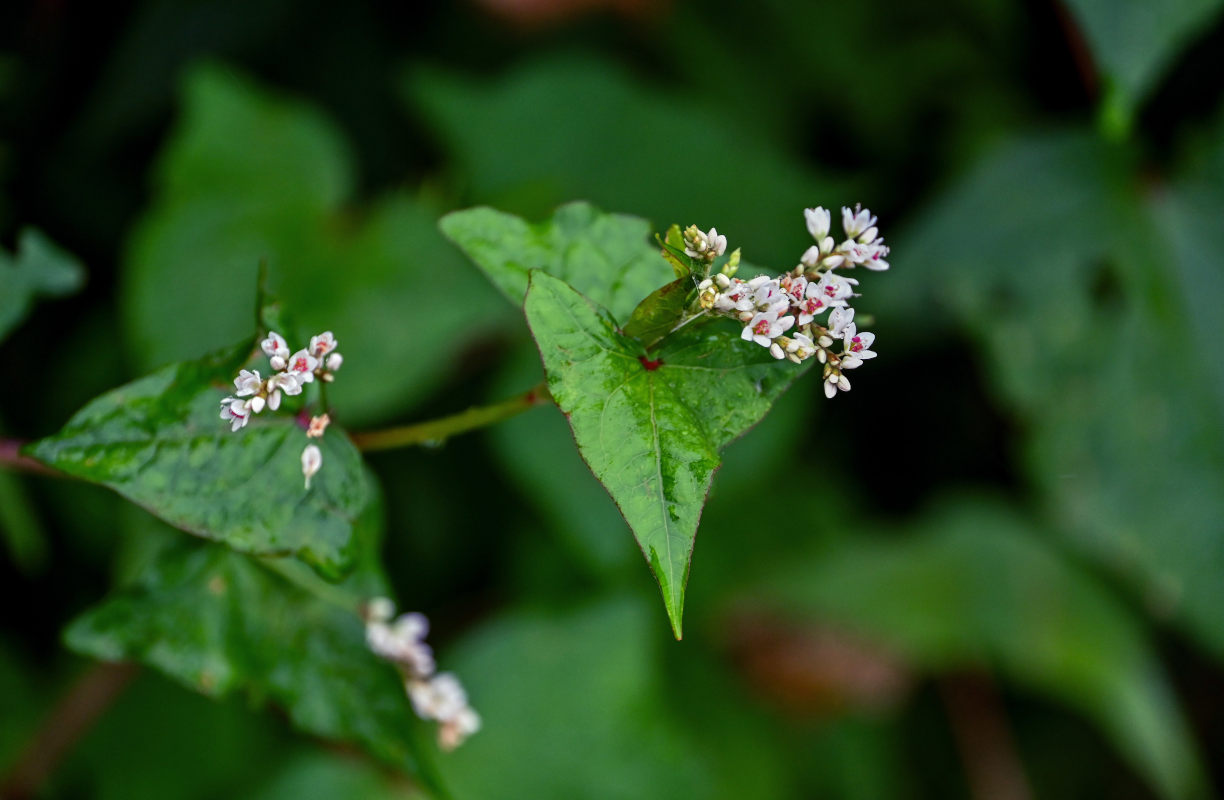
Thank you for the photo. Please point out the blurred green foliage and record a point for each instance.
(1025, 487)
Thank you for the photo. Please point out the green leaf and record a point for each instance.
(600, 716)
(1135, 42)
(673, 250)
(1124, 432)
(38, 269)
(665, 155)
(250, 176)
(220, 622)
(159, 442)
(651, 430)
(605, 256)
(975, 586)
(660, 312)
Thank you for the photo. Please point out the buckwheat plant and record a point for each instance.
(658, 357)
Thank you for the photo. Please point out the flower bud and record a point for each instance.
(312, 460)
(256, 404)
(334, 361)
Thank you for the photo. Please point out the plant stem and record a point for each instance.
(439, 430)
(11, 459)
(64, 725)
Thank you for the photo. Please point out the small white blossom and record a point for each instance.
(765, 327)
(334, 361)
(286, 382)
(856, 344)
(857, 221)
(275, 346)
(235, 411)
(312, 460)
(322, 344)
(256, 404)
(833, 382)
(800, 348)
(302, 365)
(247, 383)
(818, 220)
(403, 641)
(454, 731)
(839, 318)
(703, 245)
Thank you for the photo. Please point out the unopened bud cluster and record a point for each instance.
(784, 313)
(290, 373)
(435, 695)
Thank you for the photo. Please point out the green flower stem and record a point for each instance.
(439, 430)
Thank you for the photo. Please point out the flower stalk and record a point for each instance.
(434, 432)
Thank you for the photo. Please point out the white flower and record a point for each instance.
(800, 348)
(247, 383)
(738, 297)
(302, 365)
(235, 411)
(455, 730)
(769, 296)
(869, 255)
(839, 318)
(818, 221)
(795, 287)
(707, 246)
(765, 327)
(857, 221)
(256, 404)
(858, 345)
(282, 381)
(835, 381)
(403, 642)
(334, 361)
(312, 460)
(275, 347)
(322, 344)
(440, 698)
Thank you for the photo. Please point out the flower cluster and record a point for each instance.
(290, 374)
(784, 313)
(435, 695)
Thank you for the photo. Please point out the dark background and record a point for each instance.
(991, 570)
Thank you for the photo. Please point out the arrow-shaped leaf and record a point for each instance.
(651, 428)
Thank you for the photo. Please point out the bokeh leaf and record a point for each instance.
(159, 442)
(1125, 432)
(38, 269)
(976, 587)
(1135, 42)
(249, 176)
(666, 156)
(651, 429)
(587, 683)
(221, 622)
